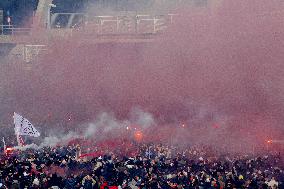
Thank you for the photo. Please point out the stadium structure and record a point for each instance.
(27, 26)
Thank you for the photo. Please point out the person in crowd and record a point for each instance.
(88, 182)
(150, 166)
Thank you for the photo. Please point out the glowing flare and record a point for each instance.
(138, 135)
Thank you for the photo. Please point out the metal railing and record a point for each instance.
(109, 24)
(139, 24)
(12, 30)
(104, 25)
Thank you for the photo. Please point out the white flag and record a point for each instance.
(24, 127)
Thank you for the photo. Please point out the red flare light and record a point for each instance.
(138, 135)
(9, 149)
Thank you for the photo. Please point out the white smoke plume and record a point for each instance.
(141, 118)
(104, 126)
(59, 140)
(29, 146)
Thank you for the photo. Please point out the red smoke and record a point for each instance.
(220, 66)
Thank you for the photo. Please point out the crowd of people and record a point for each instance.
(152, 166)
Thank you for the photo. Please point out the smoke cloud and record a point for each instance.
(217, 71)
(104, 127)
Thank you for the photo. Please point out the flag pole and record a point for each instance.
(17, 132)
(4, 144)
(18, 140)
(17, 137)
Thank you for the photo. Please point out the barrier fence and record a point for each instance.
(138, 24)
(12, 30)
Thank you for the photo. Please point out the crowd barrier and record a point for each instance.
(13, 30)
